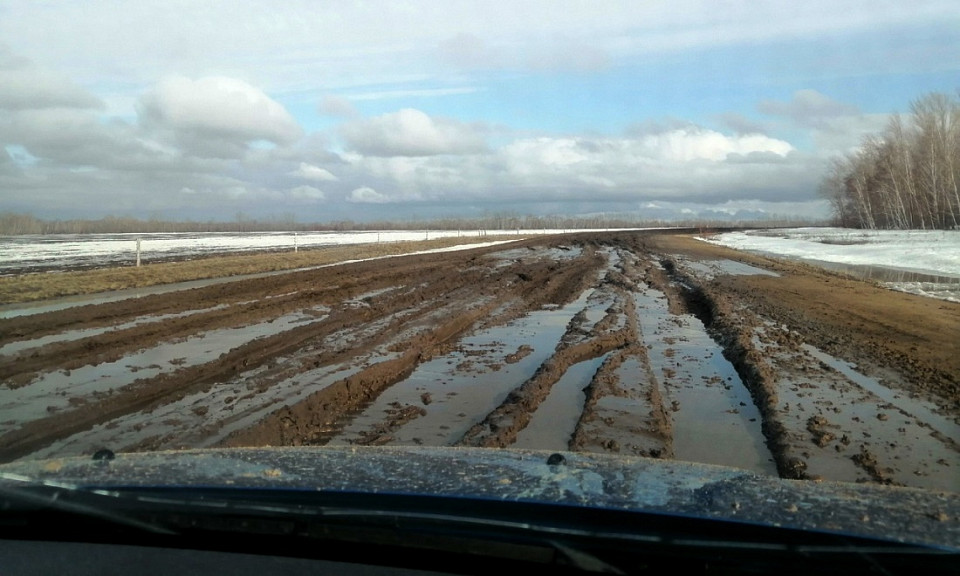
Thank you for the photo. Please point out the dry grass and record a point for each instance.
(47, 285)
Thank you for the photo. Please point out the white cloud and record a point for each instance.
(27, 87)
(411, 132)
(470, 52)
(70, 137)
(414, 178)
(311, 172)
(332, 105)
(845, 133)
(307, 193)
(606, 158)
(808, 107)
(700, 144)
(671, 164)
(741, 124)
(219, 108)
(367, 195)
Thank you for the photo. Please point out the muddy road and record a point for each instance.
(635, 343)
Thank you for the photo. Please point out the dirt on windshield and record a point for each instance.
(641, 343)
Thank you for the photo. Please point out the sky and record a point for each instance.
(369, 110)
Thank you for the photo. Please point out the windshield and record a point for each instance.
(718, 238)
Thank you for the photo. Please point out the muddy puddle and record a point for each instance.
(625, 413)
(847, 425)
(709, 269)
(924, 410)
(553, 424)
(702, 390)
(448, 394)
(198, 420)
(913, 282)
(557, 254)
(71, 335)
(65, 389)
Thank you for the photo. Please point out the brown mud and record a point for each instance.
(847, 380)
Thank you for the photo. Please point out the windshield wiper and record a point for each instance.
(29, 495)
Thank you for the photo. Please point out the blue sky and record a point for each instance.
(370, 110)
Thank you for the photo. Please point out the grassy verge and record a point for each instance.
(47, 285)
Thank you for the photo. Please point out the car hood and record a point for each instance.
(569, 478)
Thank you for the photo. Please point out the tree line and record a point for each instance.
(907, 176)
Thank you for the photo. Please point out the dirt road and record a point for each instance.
(634, 342)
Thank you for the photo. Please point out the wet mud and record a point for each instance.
(638, 343)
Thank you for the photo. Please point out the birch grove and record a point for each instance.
(907, 177)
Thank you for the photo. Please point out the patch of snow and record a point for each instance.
(930, 252)
(54, 251)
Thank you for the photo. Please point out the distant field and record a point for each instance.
(46, 285)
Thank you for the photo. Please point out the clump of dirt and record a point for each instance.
(869, 463)
(819, 428)
(397, 416)
(522, 352)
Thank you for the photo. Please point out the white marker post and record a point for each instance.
(296, 246)
(138, 252)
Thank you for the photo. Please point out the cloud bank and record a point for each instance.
(384, 110)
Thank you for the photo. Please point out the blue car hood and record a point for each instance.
(568, 478)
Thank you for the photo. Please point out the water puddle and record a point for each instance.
(709, 269)
(625, 418)
(202, 419)
(507, 257)
(56, 391)
(714, 418)
(552, 425)
(883, 273)
(839, 418)
(70, 335)
(458, 389)
(911, 281)
(915, 407)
